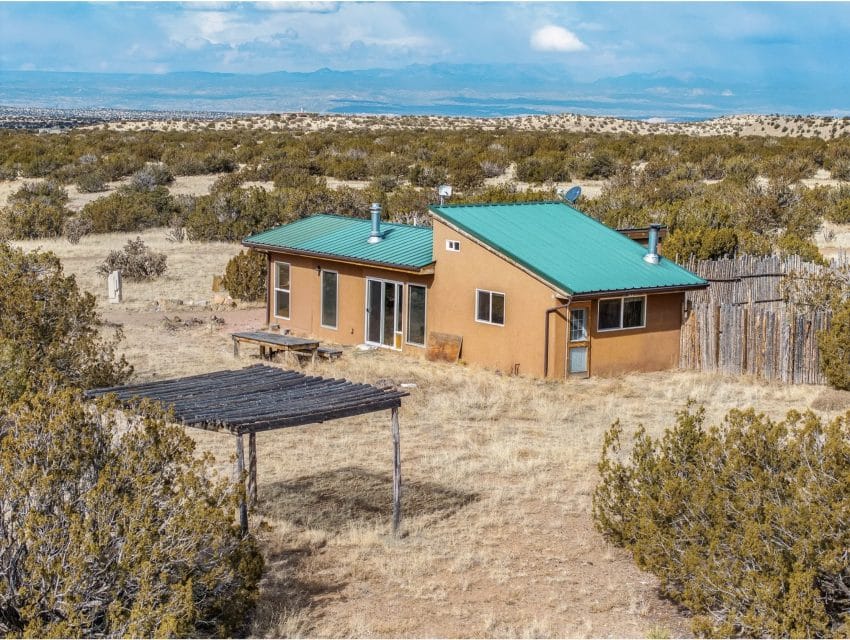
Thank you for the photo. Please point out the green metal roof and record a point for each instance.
(565, 247)
(342, 237)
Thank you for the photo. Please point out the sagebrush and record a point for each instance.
(136, 261)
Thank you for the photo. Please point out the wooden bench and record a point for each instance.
(329, 353)
(269, 343)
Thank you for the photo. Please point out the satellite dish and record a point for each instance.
(445, 191)
(572, 195)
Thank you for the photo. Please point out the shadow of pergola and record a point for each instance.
(337, 499)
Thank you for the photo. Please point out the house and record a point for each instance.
(531, 288)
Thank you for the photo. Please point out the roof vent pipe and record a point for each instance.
(652, 257)
(375, 235)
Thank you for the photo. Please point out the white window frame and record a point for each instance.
(504, 303)
(424, 324)
(287, 290)
(397, 284)
(453, 245)
(322, 299)
(584, 312)
(622, 300)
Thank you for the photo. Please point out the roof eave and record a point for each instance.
(270, 248)
(639, 291)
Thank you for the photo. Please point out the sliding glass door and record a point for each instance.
(384, 313)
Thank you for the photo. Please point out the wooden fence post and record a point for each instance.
(745, 339)
(396, 471)
(717, 336)
(240, 470)
(252, 468)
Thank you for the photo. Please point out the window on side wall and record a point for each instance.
(489, 307)
(329, 299)
(281, 290)
(416, 296)
(622, 313)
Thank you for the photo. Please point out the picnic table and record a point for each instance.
(271, 342)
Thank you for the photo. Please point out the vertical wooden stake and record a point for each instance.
(252, 468)
(396, 471)
(235, 348)
(240, 470)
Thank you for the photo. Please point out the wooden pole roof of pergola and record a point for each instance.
(258, 398)
(263, 398)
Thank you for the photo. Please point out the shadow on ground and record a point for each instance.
(351, 496)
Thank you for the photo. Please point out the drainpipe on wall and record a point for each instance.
(546, 334)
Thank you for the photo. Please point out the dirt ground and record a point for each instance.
(497, 537)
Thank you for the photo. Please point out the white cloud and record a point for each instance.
(298, 7)
(555, 38)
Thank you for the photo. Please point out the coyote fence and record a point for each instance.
(776, 343)
(743, 323)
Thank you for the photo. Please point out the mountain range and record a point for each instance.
(438, 89)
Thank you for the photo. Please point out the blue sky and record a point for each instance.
(784, 43)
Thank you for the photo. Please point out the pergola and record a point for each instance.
(263, 398)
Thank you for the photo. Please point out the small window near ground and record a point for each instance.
(329, 299)
(281, 290)
(452, 245)
(622, 313)
(490, 307)
(416, 315)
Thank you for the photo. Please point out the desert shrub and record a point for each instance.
(130, 210)
(75, 228)
(230, 215)
(151, 176)
(136, 261)
(705, 244)
(34, 219)
(747, 523)
(91, 182)
(47, 327)
(791, 244)
(48, 191)
(834, 347)
(115, 530)
(598, 166)
(841, 169)
(245, 276)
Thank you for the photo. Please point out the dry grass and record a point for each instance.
(191, 266)
(498, 476)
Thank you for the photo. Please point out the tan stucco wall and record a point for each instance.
(452, 305)
(451, 299)
(653, 348)
(305, 299)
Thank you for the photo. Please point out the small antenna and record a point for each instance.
(444, 191)
(570, 196)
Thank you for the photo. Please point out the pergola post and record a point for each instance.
(240, 470)
(396, 471)
(252, 468)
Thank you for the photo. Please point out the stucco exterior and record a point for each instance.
(305, 298)
(534, 338)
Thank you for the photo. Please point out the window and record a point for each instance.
(416, 315)
(281, 290)
(329, 298)
(490, 307)
(578, 325)
(622, 313)
(452, 245)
